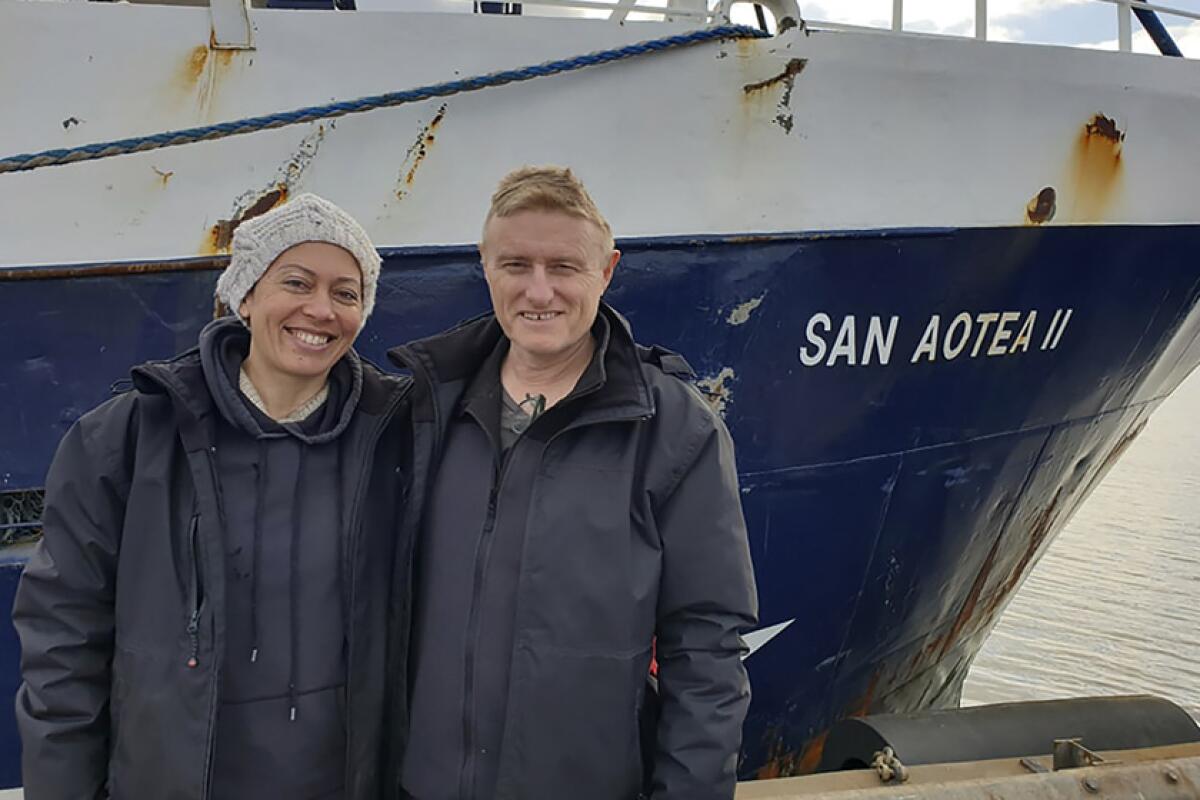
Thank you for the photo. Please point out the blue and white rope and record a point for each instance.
(88, 152)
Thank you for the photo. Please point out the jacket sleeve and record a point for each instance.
(63, 613)
(706, 600)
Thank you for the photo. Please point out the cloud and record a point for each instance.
(932, 16)
(1071, 22)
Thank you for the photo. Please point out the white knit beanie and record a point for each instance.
(258, 242)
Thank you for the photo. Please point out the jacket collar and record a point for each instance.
(445, 364)
(182, 379)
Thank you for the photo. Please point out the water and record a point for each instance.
(1112, 606)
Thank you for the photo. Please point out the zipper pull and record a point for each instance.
(193, 628)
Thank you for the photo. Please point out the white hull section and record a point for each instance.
(876, 131)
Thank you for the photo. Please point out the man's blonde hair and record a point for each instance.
(546, 188)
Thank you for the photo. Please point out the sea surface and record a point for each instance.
(1114, 605)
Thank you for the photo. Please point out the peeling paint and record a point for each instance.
(740, 314)
(716, 389)
(69, 121)
(1096, 168)
(784, 763)
(1042, 207)
(1105, 128)
(793, 68)
(254, 202)
(787, 23)
(787, 79)
(221, 235)
(415, 156)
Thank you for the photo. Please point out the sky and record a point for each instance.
(1084, 23)
(1088, 23)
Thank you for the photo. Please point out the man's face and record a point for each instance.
(546, 272)
(305, 311)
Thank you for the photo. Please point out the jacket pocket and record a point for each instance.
(573, 728)
(195, 599)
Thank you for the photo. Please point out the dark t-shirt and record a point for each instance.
(514, 419)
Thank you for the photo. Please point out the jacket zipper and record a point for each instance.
(482, 553)
(195, 594)
(353, 531)
(210, 456)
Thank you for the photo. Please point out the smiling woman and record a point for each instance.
(209, 550)
(303, 316)
(302, 279)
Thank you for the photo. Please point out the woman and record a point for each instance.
(205, 615)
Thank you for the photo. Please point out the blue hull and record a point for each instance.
(893, 507)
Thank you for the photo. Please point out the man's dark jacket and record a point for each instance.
(129, 583)
(633, 531)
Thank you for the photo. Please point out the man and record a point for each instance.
(582, 515)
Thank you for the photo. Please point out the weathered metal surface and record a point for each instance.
(1071, 754)
(721, 161)
(231, 28)
(1042, 207)
(1097, 168)
(212, 264)
(417, 153)
(1166, 778)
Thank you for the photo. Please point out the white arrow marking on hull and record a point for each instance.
(756, 639)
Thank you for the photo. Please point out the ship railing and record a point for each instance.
(1125, 10)
(715, 11)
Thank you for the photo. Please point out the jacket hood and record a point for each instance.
(204, 380)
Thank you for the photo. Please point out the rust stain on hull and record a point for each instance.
(200, 76)
(978, 610)
(1039, 531)
(942, 644)
(787, 79)
(288, 178)
(1096, 168)
(864, 704)
(193, 66)
(417, 152)
(786, 764)
(810, 756)
(220, 236)
(107, 270)
(783, 763)
(793, 68)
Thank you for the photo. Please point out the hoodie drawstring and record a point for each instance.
(293, 602)
(343, 540)
(260, 488)
(256, 554)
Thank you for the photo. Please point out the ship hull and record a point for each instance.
(897, 487)
(934, 286)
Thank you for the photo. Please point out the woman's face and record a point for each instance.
(305, 311)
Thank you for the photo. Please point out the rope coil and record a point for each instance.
(221, 130)
(887, 765)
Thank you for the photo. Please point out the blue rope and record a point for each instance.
(88, 152)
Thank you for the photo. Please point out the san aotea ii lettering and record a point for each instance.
(857, 340)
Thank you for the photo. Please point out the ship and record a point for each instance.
(935, 285)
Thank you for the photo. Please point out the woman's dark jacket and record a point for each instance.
(122, 609)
